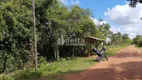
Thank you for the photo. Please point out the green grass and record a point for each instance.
(5, 77)
(52, 70)
(55, 70)
(112, 50)
(66, 67)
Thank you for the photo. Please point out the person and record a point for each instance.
(103, 52)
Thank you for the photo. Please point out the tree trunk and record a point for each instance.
(72, 51)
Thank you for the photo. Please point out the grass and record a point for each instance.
(52, 70)
(55, 70)
(66, 67)
(113, 50)
(5, 77)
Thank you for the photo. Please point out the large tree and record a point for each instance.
(80, 21)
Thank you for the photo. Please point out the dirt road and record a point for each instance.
(125, 65)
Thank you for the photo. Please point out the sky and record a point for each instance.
(117, 13)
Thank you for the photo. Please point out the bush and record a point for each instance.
(41, 60)
(5, 77)
(139, 42)
(62, 59)
(27, 75)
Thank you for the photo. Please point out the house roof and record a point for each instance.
(94, 38)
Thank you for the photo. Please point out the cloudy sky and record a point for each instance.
(117, 13)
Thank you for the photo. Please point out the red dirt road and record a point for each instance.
(125, 65)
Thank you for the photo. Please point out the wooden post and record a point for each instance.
(73, 52)
(89, 51)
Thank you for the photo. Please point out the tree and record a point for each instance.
(133, 3)
(15, 28)
(120, 39)
(50, 24)
(116, 39)
(126, 39)
(138, 40)
(103, 31)
(80, 21)
(59, 18)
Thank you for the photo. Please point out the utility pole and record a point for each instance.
(34, 28)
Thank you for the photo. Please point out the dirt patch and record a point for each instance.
(125, 65)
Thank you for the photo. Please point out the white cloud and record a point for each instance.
(70, 2)
(63, 1)
(127, 18)
(98, 22)
(75, 2)
(108, 40)
(131, 30)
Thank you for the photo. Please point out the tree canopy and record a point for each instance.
(133, 3)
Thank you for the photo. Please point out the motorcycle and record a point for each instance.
(100, 54)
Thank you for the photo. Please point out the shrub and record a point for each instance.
(27, 75)
(41, 60)
(140, 42)
(62, 59)
(5, 77)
